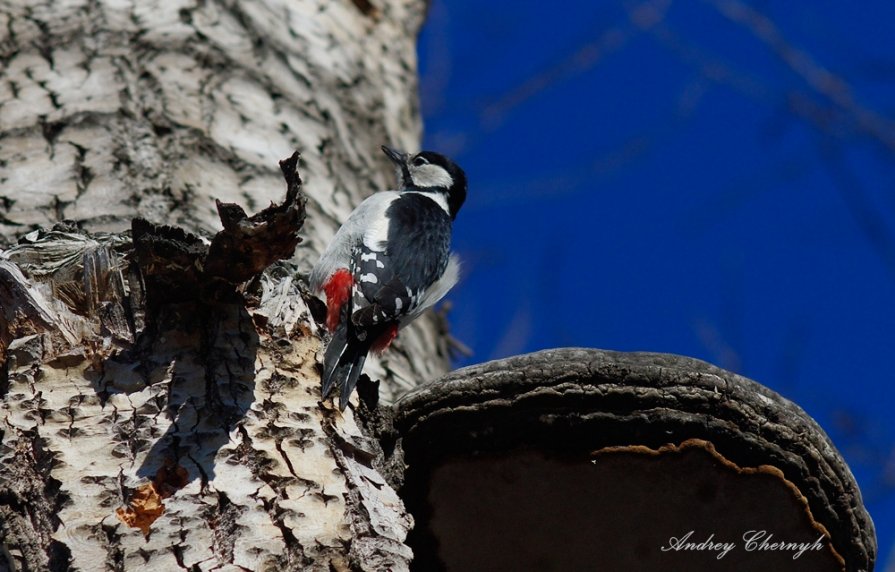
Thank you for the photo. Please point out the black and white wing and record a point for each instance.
(397, 272)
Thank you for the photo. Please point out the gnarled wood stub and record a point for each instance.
(162, 407)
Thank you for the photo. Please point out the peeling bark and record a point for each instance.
(188, 430)
(141, 343)
(158, 109)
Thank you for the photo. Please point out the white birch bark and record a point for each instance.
(114, 109)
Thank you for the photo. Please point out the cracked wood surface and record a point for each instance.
(573, 400)
(156, 109)
(111, 110)
(188, 434)
(270, 492)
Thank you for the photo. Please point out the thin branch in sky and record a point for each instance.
(641, 17)
(822, 81)
(622, 154)
(831, 108)
(494, 114)
(711, 66)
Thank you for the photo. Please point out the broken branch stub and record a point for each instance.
(77, 303)
(180, 265)
(248, 245)
(579, 455)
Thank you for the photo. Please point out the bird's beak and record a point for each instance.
(398, 157)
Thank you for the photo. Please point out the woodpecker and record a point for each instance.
(388, 263)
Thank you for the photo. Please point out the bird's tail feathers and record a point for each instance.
(343, 363)
(353, 370)
(335, 350)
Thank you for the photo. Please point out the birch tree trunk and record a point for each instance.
(160, 398)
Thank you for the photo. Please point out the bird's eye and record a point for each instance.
(420, 161)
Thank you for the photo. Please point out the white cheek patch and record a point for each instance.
(431, 176)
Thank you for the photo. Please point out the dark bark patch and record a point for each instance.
(34, 498)
(248, 245)
(178, 266)
(367, 8)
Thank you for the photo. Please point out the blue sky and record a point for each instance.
(714, 179)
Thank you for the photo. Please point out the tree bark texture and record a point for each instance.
(160, 394)
(110, 110)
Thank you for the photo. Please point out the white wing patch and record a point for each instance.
(367, 218)
(375, 236)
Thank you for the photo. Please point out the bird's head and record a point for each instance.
(431, 172)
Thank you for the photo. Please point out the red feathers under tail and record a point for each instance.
(382, 343)
(338, 290)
